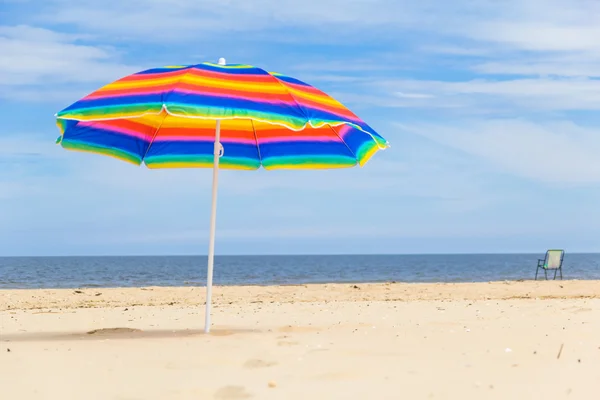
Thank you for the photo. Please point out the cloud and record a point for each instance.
(567, 66)
(184, 20)
(554, 152)
(40, 65)
(546, 94)
(38, 56)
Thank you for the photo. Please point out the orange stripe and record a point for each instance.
(199, 81)
(302, 88)
(340, 110)
(190, 87)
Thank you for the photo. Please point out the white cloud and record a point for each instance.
(557, 152)
(571, 66)
(527, 24)
(523, 94)
(41, 56)
(162, 20)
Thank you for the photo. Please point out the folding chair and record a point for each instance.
(552, 261)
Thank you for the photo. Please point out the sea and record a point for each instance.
(139, 271)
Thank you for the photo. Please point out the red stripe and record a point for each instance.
(210, 132)
(273, 132)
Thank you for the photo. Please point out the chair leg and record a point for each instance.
(546, 273)
(555, 271)
(560, 269)
(536, 272)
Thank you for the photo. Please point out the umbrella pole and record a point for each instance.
(213, 221)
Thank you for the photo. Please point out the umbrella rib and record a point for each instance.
(292, 97)
(256, 139)
(345, 144)
(154, 137)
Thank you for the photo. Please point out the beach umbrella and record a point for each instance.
(207, 115)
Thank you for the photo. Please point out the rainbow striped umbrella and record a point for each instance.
(217, 116)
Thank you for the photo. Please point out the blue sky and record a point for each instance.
(491, 108)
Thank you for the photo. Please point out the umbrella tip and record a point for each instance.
(222, 61)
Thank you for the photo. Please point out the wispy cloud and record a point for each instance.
(556, 152)
(548, 94)
(164, 21)
(42, 65)
(40, 56)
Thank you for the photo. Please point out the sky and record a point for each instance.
(490, 107)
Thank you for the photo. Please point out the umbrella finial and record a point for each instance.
(222, 61)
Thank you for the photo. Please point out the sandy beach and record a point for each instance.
(528, 340)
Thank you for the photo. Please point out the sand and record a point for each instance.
(520, 340)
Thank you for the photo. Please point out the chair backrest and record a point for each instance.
(554, 259)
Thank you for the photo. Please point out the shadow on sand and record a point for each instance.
(119, 334)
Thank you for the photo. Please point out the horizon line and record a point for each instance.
(294, 254)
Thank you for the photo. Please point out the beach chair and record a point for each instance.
(552, 261)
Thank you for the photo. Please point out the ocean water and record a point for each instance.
(73, 272)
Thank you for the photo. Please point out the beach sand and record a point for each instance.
(520, 340)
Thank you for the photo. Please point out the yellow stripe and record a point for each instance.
(310, 166)
(258, 87)
(250, 87)
(319, 99)
(207, 124)
(167, 165)
(370, 153)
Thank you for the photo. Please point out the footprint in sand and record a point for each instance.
(287, 343)
(113, 331)
(256, 363)
(298, 329)
(232, 393)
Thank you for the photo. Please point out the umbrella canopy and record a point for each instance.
(217, 116)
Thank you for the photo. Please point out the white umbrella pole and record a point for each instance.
(213, 222)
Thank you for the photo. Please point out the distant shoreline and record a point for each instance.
(304, 284)
(23, 299)
(530, 253)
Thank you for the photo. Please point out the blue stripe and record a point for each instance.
(237, 106)
(354, 138)
(160, 148)
(160, 70)
(107, 138)
(250, 70)
(290, 148)
(289, 79)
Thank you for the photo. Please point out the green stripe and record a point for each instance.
(116, 110)
(333, 161)
(240, 162)
(364, 149)
(210, 112)
(94, 148)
